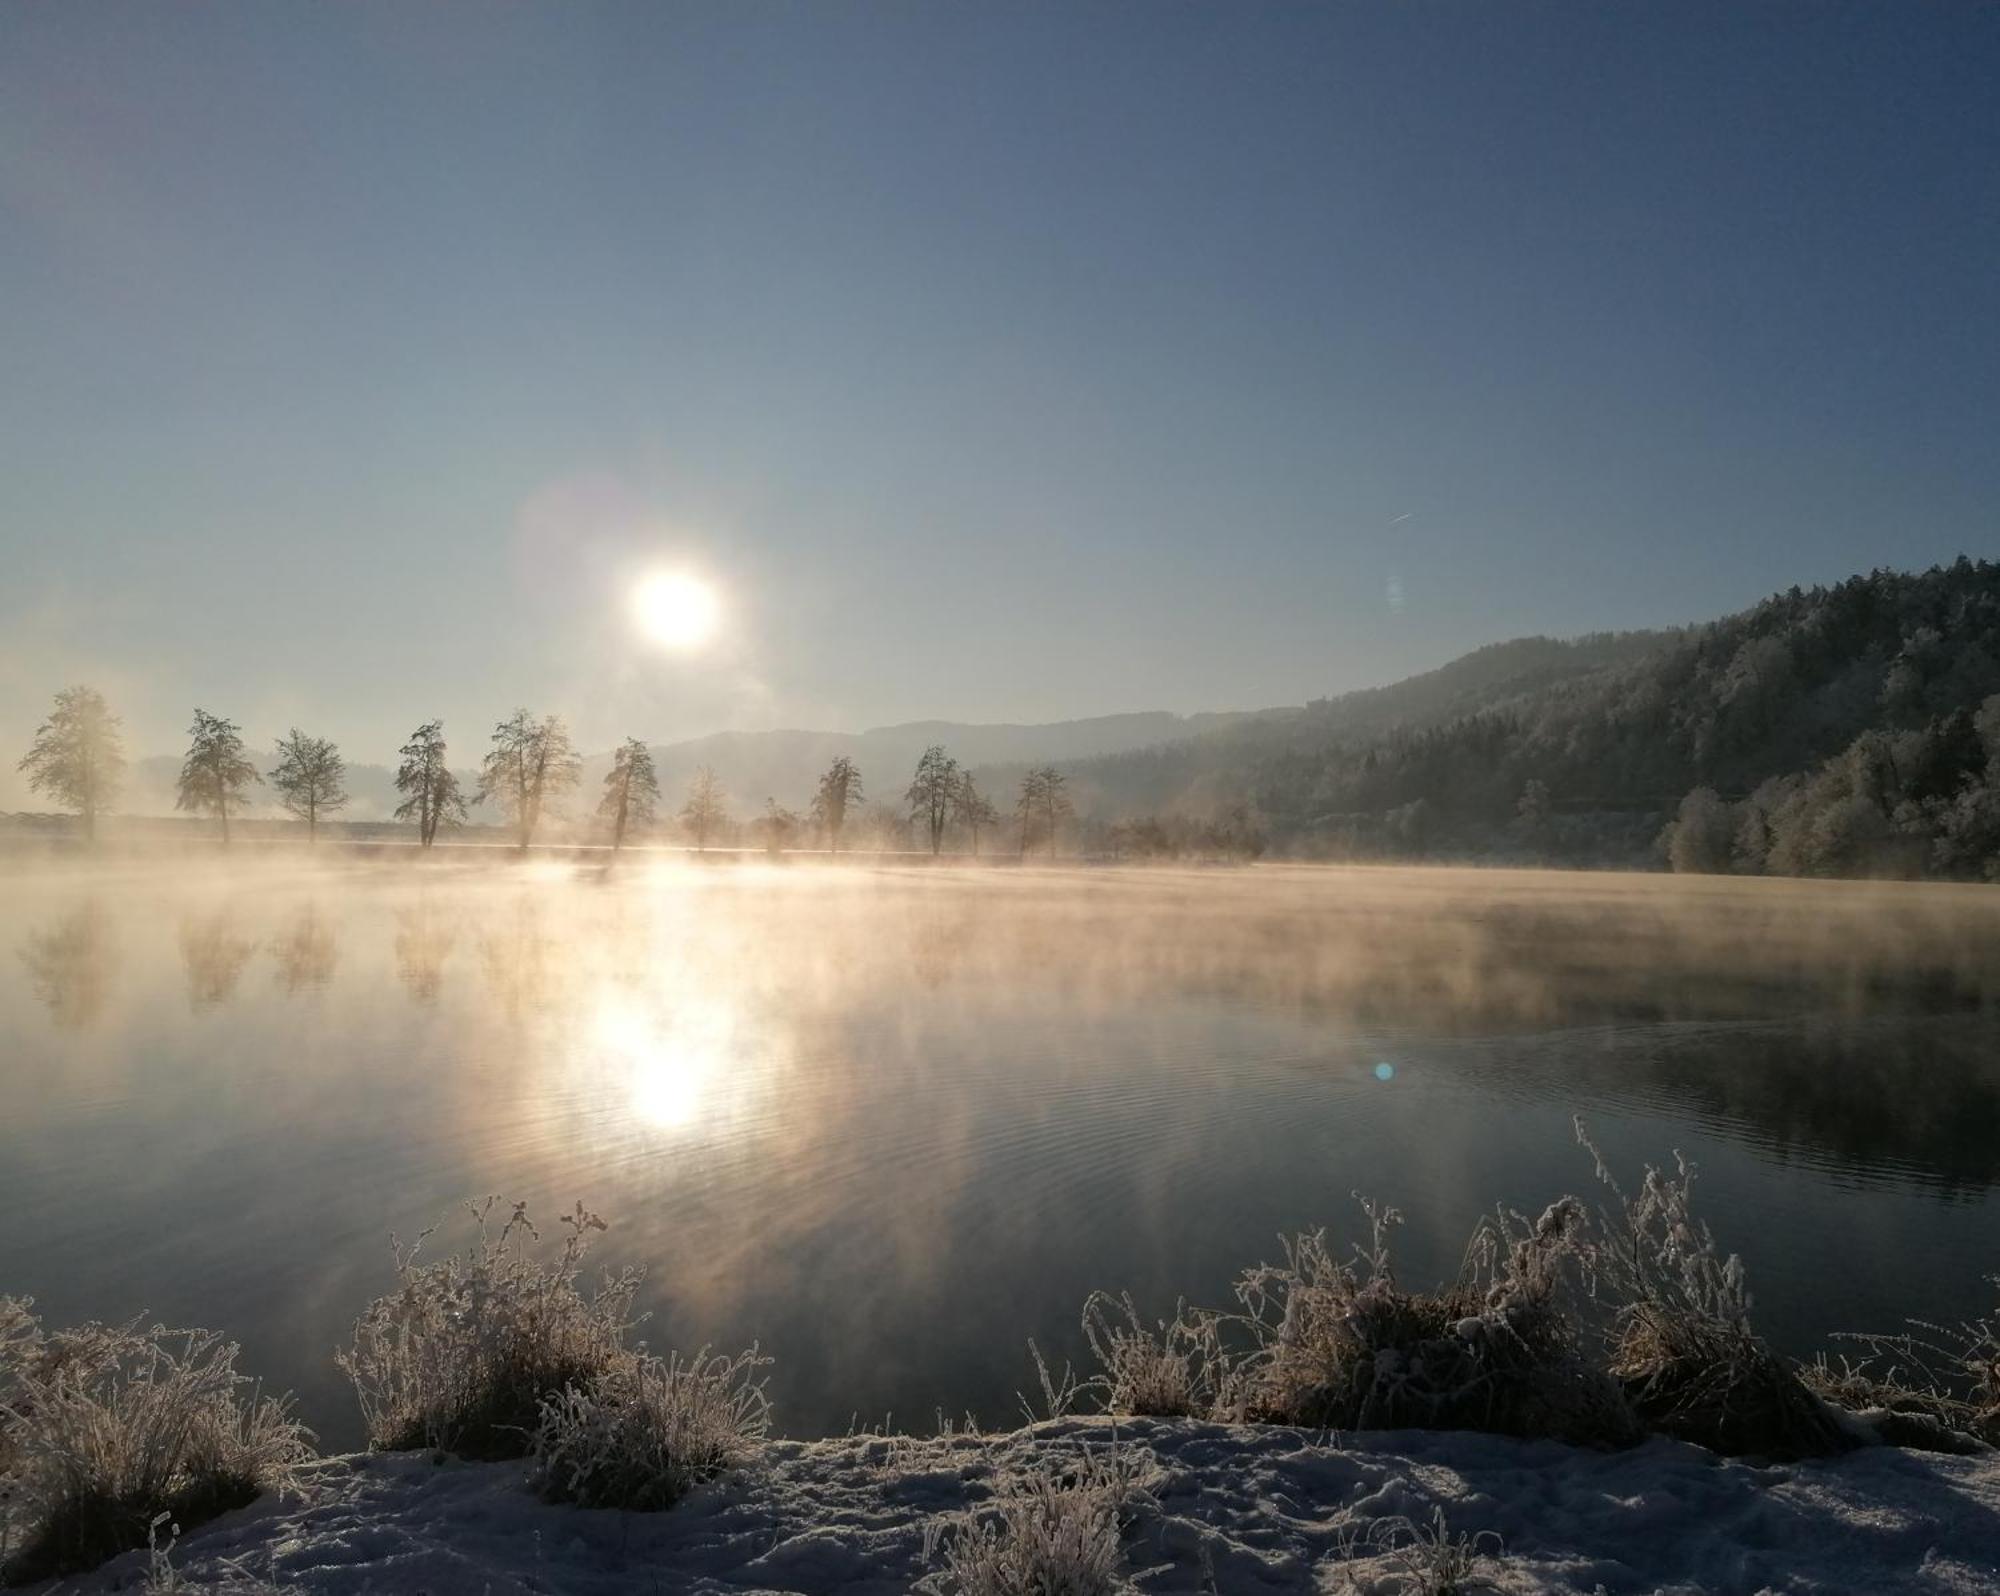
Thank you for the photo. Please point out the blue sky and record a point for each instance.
(997, 363)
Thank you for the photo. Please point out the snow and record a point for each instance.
(1232, 1509)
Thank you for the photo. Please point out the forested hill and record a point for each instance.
(1836, 730)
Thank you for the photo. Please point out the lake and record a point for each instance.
(891, 1121)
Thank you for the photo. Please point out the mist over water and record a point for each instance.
(892, 1121)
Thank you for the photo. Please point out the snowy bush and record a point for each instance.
(1681, 1339)
(648, 1431)
(465, 1352)
(1051, 1531)
(108, 1427)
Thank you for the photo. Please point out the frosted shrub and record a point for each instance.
(1177, 1368)
(1341, 1345)
(466, 1350)
(1047, 1532)
(647, 1432)
(109, 1427)
(1681, 1338)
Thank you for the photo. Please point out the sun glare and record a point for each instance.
(676, 610)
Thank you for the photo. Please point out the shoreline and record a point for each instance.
(1218, 1508)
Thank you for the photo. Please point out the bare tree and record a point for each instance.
(971, 810)
(311, 779)
(1043, 802)
(839, 791)
(930, 794)
(529, 767)
(704, 809)
(215, 776)
(631, 790)
(431, 793)
(78, 756)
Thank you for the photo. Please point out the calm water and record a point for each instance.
(894, 1121)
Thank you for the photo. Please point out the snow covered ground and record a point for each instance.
(1233, 1509)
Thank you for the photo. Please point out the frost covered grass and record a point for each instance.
(1682, 1343)
(1326, 1342)
(649, 1430)
(1174, 1368)
(1592, 1333)
(112, 1428)
(1401, 1556)
(1052, 1530)
(1929, 1385)
(463, 1354)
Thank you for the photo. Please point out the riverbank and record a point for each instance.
(1216, 1508)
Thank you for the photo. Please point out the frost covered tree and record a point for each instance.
(705, 808)
(839, 791)
(527, 770)
(972, 810)
(310, 778)
(78, 756)
(931, 793)
(1043, 805)
(431, 795)
(215, 777)
(631, 790)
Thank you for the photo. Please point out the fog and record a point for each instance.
(893, 1119)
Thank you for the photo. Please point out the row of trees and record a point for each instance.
(531, 765)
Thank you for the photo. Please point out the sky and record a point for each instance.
(994, 363)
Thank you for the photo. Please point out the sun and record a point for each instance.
(676, 610)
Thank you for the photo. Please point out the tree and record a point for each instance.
(705, 807)
(839, 791)
(971, 810)
(215, 775)
(431, 794)
(311, 779)
(530, 765)
(631, 790)
(931, 793)
(78, 756)
(1043, 802)
(1701, 839)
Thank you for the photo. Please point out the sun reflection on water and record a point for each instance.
(670, 1057)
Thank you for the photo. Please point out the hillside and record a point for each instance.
(1841, 730)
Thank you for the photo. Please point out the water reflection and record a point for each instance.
(306, 952)
(213, 954)
(424, 940)
(70, 966)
